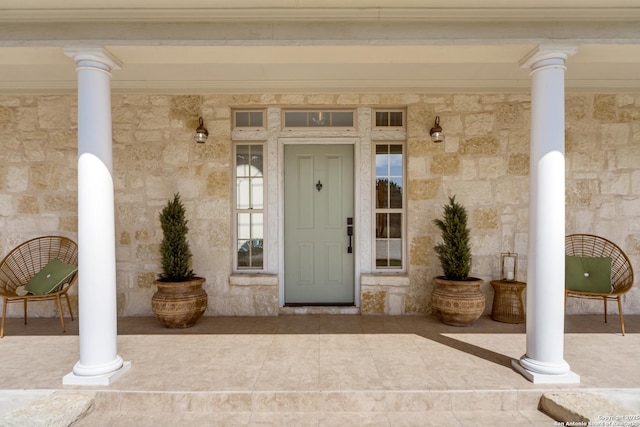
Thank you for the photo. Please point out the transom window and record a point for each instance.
(389, 206)
(312, 119)
(389, 119)
(248, 119)
(249, 206)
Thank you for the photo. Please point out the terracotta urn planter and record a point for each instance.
(458, 302)
(179, 304)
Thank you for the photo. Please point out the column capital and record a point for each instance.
(98, 55)
(547, 55)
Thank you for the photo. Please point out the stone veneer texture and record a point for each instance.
(484, 161)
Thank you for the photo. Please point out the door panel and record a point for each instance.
(318, 194)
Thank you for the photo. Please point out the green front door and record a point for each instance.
(318, 194)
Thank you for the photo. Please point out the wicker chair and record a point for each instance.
(588, 245)
(23, 262)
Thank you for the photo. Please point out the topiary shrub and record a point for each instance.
(454, 252)
(174, 248)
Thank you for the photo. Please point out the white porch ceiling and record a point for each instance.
(200, 46)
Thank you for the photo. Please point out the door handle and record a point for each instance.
(350, 234)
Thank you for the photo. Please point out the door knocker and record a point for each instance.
(319, 186)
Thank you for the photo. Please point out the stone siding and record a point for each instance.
(484, 161)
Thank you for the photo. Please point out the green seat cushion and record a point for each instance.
(588, 274)
(47, 280)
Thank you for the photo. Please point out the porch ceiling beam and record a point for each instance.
(316, 33)
(330, 14)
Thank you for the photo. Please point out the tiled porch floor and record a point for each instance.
(320, 369)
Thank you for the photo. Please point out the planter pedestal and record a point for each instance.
(458, 302)
(179, 304)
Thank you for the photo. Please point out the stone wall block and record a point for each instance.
(6, 116)
(485, 219)
(445, 165)
(508, 115)
(479, 124)
(491, 167)
(420, 250)
(486, 145)
(146, 279)
(467, 103)
(423, 189)
(54, 112)
(373, 302)
(68, 223)
(153, 119)
(616, 133)
(604, 108)
(625, 158)
(147, 252)
(577, 107)
(615, 183)
(28, 205)
(580, 193)
(518, 165)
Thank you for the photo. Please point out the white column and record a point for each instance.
(99, 362)
(544, 360)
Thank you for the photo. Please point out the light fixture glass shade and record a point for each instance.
(437, 137)
(201, 133)
(436, 131)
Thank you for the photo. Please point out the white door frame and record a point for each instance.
(319, 140)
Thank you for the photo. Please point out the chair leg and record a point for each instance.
(69, 305)
(621, 315)
(61, 313)
(4, 314)
(605, 309)
(25, 311)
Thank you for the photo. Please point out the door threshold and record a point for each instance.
(319, 309)
(319, 304)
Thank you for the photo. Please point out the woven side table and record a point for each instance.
(508, 306)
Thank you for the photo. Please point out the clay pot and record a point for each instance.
(458, 302)
(179, 304)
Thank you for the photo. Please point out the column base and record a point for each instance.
(539, 378)
(104, 379)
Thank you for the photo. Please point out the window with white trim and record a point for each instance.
(389, 206)
(249, 213)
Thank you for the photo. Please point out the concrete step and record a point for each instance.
(331, 408)
(317, 408)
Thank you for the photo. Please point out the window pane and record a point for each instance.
(382, 160)
(244, 253)
(395, 253)
(256, 119)
(395, 165)
(256, 160)
(257, 200)
(395, 226)
(295, 119)
(244, 226)
(382, 228)
(342, 118)
(395, 118)
(242, 119)
(319, 118)
(382, 118)
(395, 193)
(243, 193)
(242, 160)
(382, 250)
(382, 193)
